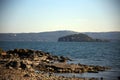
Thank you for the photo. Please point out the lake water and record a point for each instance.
(90, 53)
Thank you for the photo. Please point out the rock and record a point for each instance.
(26, 75)
(23, 66)
(28, 66)
(13, 64)
(15, 50)
(101, 78)
(30, 60)
(93, 71)
(1, 51)
(118, 77)
(93, 79)
(50, 58)
(36, 59)
(77, 70)
(39, 53)
(21, 51)
(43, 58)
(47, 54)
(31, 69)
(3, 62)
(3, 54)
(35, 63)
(55, 58)
(62, 59)
(99, 68)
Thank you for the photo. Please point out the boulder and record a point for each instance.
(26, 75)
(28, 62)
(13, 64)
(62, 59)
(23, 65)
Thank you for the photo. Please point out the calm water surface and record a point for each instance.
(91, 53)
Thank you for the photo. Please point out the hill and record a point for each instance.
(54, 35)
(42, 36)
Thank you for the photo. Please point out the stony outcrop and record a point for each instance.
(15, 74)
(71, 68)
(31, 60)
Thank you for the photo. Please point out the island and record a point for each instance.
(79, 38)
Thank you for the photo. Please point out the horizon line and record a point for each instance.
(58, 30)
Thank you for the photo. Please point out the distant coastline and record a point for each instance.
(53, 36)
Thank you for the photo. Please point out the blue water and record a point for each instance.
(91, 53)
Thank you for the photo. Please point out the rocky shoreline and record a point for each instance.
(22, 64)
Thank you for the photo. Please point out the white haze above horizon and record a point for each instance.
(17, 16)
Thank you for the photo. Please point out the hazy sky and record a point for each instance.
(50, 15)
